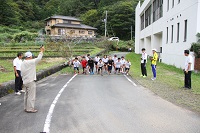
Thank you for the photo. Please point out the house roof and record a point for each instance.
(76, 26)
(63, 17)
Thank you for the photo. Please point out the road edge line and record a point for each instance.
(46, 128)
(130, 80)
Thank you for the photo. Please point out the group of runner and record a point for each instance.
(101, 65)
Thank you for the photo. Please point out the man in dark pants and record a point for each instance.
(17, 69)
(143, 63)
(188, 69)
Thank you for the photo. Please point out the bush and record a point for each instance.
(196, 47)
(24, 36)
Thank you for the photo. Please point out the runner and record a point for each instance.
(91, 65)
(114, 59)
(100, 65)
(123, 61)
(76, 64)
(110, 64)
(127, 66)
(84, 65)
(96, 60)
(105, 61)
(118, 66)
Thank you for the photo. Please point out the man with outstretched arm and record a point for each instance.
(28, 70)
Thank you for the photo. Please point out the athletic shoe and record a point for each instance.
(144, 76)
(127, 74)
(141, 75)
(153, 78)
(17, 93)
(22, 91)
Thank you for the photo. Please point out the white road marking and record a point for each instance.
(130, 80)
(46, 128)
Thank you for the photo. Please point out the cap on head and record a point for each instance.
(154, 49)
(28, 54)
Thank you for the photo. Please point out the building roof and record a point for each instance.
(76, 26)
(63, 17)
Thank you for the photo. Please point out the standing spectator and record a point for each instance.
(110, 64)
(188, 69)
(127, 66)
(84, 64)
(18, 78)
(91, 65)
(96, 60)
(76, 64)
(28, 69)
(143, 63)
(153, 63)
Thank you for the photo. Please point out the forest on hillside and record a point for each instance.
(30, 14)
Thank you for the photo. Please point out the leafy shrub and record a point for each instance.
(5, 37)
(196, 47)
(24, 36)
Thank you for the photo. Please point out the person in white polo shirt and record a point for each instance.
(28, 70)
(17, 69)
(188, 69)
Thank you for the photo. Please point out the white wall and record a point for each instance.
(172, 53)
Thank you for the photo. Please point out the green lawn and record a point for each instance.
(7, 73)
(166, 74)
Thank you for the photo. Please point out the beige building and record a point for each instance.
(71, 27)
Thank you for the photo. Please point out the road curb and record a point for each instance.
(8, 87)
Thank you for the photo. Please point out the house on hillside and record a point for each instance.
(71, 27)
(170, 26)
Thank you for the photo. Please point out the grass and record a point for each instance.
(168, 83)
(8, 73)
(167, 74)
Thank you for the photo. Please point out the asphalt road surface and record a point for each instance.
(95, 104)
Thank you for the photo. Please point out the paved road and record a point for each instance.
(95, 104)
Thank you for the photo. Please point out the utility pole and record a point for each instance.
(131, 33)
(105, 20)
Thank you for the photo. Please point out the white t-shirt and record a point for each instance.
(76, 63)
(115, 59)
(100, 64)
(118, 64)
(28, 69)
(96, 59)
(87, 58)
(123, 61)
(17, 63)
(188, 60)
(144, 57)
(105, 60)
(128, 64)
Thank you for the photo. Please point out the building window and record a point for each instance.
(59, 31)
(65, 21)
(185, 31)
(81, 32)
(142, 22)
(72, 31)
(172, 3)
(148, 16)
(172, 34)
(178, 30)
(167, 34)
(157, 9)
(167, 5)
(90, 32)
